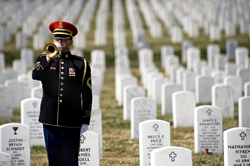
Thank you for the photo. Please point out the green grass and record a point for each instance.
(118, 147)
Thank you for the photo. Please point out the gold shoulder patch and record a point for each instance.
(38, 66)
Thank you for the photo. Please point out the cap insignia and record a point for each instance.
(60, 25)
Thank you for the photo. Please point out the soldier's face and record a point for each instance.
(65, 43)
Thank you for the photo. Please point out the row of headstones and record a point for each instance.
(83, 23)
(119, 33)
(213, 17)
(138, 108)
(155, 148)
(154, 143)
(154, 26)
(141, 107)
(101, 23)
(136, 24)
(30, 22)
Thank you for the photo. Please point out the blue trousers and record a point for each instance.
(62, 145)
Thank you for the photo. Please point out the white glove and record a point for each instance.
(84, 128)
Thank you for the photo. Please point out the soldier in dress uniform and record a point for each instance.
(67, 97)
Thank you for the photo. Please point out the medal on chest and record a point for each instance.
(72, 72)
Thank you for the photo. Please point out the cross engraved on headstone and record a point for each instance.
(243, 135)
(155, 126)
(15, 129)
(34, 104)
(209, 111)
(82, 138)
(172, 155)
(144, 103)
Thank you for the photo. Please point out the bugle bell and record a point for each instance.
(52, 50)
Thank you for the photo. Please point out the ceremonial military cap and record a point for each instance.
(62, 29)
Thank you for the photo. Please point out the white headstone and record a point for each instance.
(89, 149)
(142, 109)
(208, 129)
(185, 45)
(222, 96)
(167, 90)
(236, 146)
(193, 54)
(183, 109)
(203, 91)
(130, 92)
(234, 82)
(15, 140)
(6, 112)
(37, 92)
(244, 112)
(247, 89)
(171, 155)
(212, 51)
(95, 125)
(27, 57)
(241, 56)
(30, 110)
(15, 91)
(231, 45)
(153, 134)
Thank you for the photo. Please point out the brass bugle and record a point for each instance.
(51, 50)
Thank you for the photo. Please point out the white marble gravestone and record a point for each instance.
(244, 112)
(193, 54)
(208, 129)
(166, 99)
(188, 81)
(15, 140)
(142, 109)
(5, 159)
(30, 110)
(37, 92)
(185, 45)
(153, 134)
(130, 92)
(244, 74)
(247, 89)
(183, 109)
(166, 50)
(157, 82)
(212, 51)
(6, 112)
(26, 85)
(15, 91)
(241, 56)
(234, 82)
(237, 146)
(124, 81)
(98, 57)
(27, 57)
(95, 125)
(89, 149)
(171, 156)
(230, 68)
(222, 96)
(203, 91)
(231, 45)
